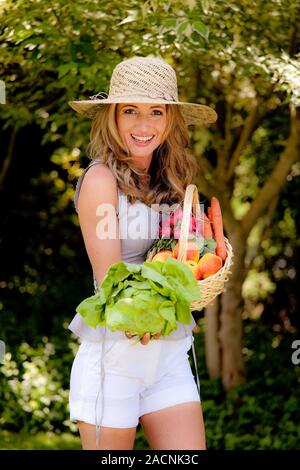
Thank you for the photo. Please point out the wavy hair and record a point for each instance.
(172, 167)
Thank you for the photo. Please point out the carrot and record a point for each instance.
(217, 223)
(209, 216)
(207, 227)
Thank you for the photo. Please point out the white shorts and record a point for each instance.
(135, 380)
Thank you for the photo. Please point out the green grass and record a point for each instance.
(52, 441)
(40, 441)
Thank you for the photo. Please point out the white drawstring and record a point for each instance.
(100, 390)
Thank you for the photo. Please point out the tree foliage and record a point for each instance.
(242, 58)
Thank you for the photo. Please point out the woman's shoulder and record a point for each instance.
(97, 170)
(99, 180)
(99, 177)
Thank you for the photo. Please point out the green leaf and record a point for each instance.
(182, 27)
(169, 23)
(150, 271)
(90, 311)
(2, 92)
(209, 246)
(63, 70)
(201, 29)
(167, 310)
(133, 15)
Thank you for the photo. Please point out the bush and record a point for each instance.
(34, 387)
(263, 413)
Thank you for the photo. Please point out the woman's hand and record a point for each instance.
(146, 337)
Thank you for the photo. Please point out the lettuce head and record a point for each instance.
(148, 297)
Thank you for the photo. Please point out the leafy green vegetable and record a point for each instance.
(209, 246)
(149, 297)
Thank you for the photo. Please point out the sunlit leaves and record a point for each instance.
(2, 92)
(132, 16)
(201, 29)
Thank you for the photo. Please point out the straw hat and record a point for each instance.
(145, 80)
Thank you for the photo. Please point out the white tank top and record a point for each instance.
(138, 228)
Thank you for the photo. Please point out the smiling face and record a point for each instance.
(141, 126)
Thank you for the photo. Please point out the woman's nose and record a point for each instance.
(143, 124)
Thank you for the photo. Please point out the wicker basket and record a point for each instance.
(212, 285)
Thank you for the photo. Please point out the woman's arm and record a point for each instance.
(99, 187)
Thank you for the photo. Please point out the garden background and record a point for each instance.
(242, 58)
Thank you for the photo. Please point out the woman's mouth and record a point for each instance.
(141, 141)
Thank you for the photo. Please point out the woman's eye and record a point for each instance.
(128, 111)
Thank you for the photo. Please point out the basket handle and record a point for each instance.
(190, 205)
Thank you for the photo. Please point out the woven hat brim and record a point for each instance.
(193, 113)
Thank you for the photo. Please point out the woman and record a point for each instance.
(138, 147)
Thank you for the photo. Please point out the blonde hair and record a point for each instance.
(172, 167)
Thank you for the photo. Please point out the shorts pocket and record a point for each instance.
(84, 369)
